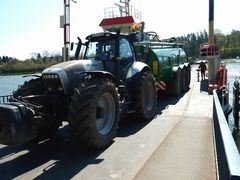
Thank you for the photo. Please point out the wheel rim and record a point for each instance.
(149, 96)
(105, 115)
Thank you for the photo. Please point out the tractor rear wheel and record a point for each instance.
(94, 113)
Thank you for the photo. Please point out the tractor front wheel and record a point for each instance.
(94, 113)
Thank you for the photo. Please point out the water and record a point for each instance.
(10, 83)
(233, 73)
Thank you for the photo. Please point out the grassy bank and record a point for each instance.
(24, 67)
(36, 66)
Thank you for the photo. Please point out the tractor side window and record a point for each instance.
(125, 49)
(91, 50)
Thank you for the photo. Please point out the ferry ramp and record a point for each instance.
(177, 144)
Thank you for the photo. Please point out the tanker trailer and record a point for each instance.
(169, 65)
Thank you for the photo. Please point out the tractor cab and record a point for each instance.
(113, 49)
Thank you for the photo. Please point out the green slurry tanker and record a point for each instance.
(168, 63)
(117, 75)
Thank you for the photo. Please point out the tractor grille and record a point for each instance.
(53, 83)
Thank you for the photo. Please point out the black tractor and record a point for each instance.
(90, 93)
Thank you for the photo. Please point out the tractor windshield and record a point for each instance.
(100, 50)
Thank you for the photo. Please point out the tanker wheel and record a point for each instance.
(94, 113)
(188, 76)
(184, 80)
(144, 96)
(35, 87)
(175, 88)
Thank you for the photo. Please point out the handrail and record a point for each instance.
(228, 158)
(113, 12)
(236, 103)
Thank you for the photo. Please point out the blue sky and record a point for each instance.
(32, 26)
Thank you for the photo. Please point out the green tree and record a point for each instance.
(229, 44)
(39, 57)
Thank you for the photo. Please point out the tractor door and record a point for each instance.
(126, 54)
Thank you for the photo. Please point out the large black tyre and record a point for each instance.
(36, 87)
(175, 87)
(94, 113)
(188, 76)
(144, 96)
(184, 80)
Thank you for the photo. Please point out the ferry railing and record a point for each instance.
(225, 95)
(5, 99)
(236, 102)
(227, 155)
(114, 12)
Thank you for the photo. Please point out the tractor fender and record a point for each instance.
(182, 66)
(188, 65)
(174, 71)
(175, 68)
(136, 68)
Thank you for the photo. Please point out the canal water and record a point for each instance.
(233, 73)
(10, 83)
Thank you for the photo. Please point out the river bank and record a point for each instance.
(10, 83)
(25, 67)
(37, 66)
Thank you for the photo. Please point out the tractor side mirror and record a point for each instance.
(72, 46)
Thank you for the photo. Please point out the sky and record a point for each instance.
(33, 26)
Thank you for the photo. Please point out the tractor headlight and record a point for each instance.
(52, 82)
(50, 76)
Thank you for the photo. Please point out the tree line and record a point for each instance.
(229, 48)
(229, 43)
(37, 63)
